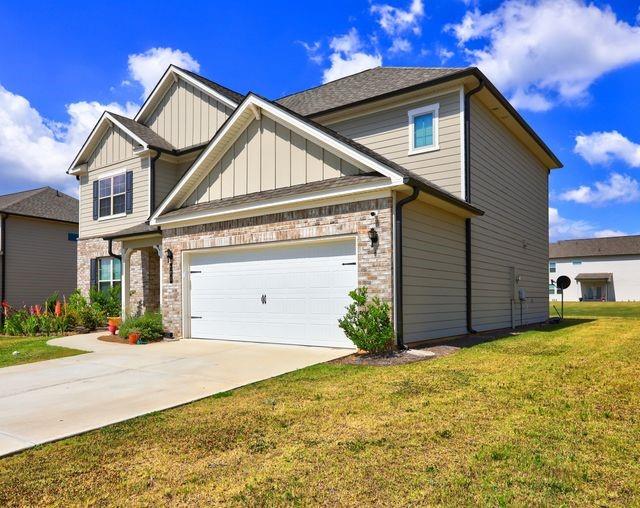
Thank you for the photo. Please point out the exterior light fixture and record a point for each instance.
(375, 239)
(169, 254)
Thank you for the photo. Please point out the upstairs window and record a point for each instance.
(423, 129)
(552, 267)
(552, 289)
(112, 191)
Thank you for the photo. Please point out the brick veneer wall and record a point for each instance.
(144, 272)
(374, 270)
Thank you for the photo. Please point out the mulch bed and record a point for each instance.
(395, 357)
(113, 338)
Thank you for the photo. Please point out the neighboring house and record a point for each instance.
(244, 218)
(600, 269)
(38, 241)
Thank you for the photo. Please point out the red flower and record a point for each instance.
(58, 309)
(5, 307)
(38, 310)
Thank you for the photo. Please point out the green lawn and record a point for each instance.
(30, 349)
(547, 417)
(597, 309)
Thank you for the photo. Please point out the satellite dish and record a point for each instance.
(563, 282)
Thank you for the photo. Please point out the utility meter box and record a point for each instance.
(522, 294)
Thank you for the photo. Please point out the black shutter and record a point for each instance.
(95, 200)
(129, 195)
(93, 276)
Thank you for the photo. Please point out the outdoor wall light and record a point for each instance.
(169, 254)
(375, 240)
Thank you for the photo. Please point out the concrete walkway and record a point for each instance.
(49, 400)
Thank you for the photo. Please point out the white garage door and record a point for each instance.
(290, 294)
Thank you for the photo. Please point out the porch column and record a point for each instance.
(125, 283)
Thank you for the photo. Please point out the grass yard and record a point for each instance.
(598, 309)
(548, 417)
(30, 349)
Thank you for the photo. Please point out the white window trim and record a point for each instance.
(431, 108)
(112, 215)
(111, 281)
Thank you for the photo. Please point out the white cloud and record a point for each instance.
(34, 149)
(604, 147)
(445, 55)
(619, 188)
(609, 232)
(400, 45)
(394, 20)
(313, 51)
(545, 51)
(348, 57)
(563, 228)
(147, 68)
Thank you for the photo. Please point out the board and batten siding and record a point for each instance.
(433, 273)
(511, 240)
(187, 116)
(41, 259)
(90, 228)
(114, 146)
(387, 132)
(266, 156)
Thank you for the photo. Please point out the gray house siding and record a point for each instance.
(40, 259)
(511, 240)
(433, 273)
(387, 132)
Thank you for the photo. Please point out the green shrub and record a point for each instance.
(14, 322)
(149, 325)
(108, 303)
(368, 323)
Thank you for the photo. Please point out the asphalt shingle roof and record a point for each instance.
(144, 132)
(44, 203)
(223, 90)
(294, 190)
(139, 229)
(361, 86)
(611, 246)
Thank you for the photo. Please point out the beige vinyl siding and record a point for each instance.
(433, 273)
(114, 146)
(187, 116)
(167, 176)
(41, 260)
(266, 156)
(91, 228)
(511, 186)
(387, 133)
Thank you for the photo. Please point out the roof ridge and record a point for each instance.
(595, 238)
(200, 76)
(333, 81)
(24, 191)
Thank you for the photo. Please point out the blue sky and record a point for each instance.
(570, 68)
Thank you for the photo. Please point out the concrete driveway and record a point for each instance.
(49, 400)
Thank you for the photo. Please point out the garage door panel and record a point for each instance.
(305, 284)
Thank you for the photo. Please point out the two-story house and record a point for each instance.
(38, 233)
(244, 218)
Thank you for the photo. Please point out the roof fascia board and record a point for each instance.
(106, 117)
(291, 122)
(161, 88)
(276, 203)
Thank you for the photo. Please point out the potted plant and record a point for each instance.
(134, 336)
(114, 324)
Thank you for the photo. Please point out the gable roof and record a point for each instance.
(355, 153)
(173, 72)
(43, 203)
(588, 247)
(141, 134)
(152, 139)
(364, 85)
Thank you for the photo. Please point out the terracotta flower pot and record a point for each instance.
(134, 337)
(115, 321)
(112, 329)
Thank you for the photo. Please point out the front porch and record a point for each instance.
(141, 262)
